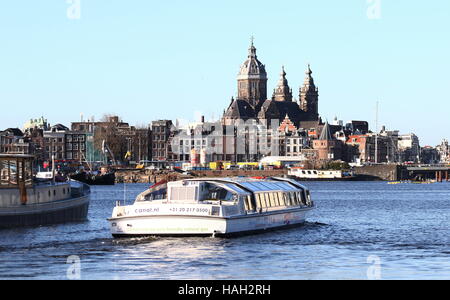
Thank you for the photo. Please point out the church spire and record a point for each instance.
(309, 96)
(282, 92)
(252, 49)
(309, 80)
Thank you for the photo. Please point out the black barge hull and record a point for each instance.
(74, 210)
(106, 179)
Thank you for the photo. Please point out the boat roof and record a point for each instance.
(245, 185)
(269, 186)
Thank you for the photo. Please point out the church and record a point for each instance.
(252, 102)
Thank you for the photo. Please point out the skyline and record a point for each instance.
(127, 60)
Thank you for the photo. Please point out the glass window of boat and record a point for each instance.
(267, 197)
(13, 171)
(219, 193)
(236, 188)
(291, 199)
(295, 195)
(294, 199)
(287, 199)
(268, 202)
(8, 172)
(281, 199)
(258, 200)
(248, 203)
(277, 200)
(273, 201)
(263, 200)
(302, 197)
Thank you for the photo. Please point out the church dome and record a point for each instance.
(252, 68)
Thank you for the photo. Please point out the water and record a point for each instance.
(405, 228)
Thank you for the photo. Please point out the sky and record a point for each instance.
(146, 60)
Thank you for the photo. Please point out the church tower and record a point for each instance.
(282, 92)
(309, 97)
(252, 80)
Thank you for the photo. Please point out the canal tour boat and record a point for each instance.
(213, 207)
(29, 201)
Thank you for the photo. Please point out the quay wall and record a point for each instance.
(143, 176)
(374, 172)
(240, 173)
(380, 172)
(149, 176)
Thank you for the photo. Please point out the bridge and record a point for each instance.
(437, 172)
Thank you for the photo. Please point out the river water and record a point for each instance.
(360, 230)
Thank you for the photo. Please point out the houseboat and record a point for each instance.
(320, 175)
(25, 201)
(213, 207)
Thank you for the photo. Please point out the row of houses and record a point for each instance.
(108, 141)
(113, 140)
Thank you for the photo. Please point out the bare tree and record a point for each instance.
(108, 131)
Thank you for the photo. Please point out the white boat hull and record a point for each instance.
(185, 225)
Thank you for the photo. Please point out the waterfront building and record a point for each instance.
(391, 138)
(55, 143)
(444, 151)
(162, 132)
(409, 148)
(356, 127)
(362, 148)
(127, 144)
(431, 155)
(13, 141)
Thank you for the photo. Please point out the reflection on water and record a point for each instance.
(406, 226)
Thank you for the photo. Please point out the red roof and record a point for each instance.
(356, 138)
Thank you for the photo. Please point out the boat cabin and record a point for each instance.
(17, 185)
(251, 195)
(16, 171)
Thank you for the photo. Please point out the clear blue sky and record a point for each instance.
(147, 60)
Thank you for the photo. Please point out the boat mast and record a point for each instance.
(53, 167)
(376, 134)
